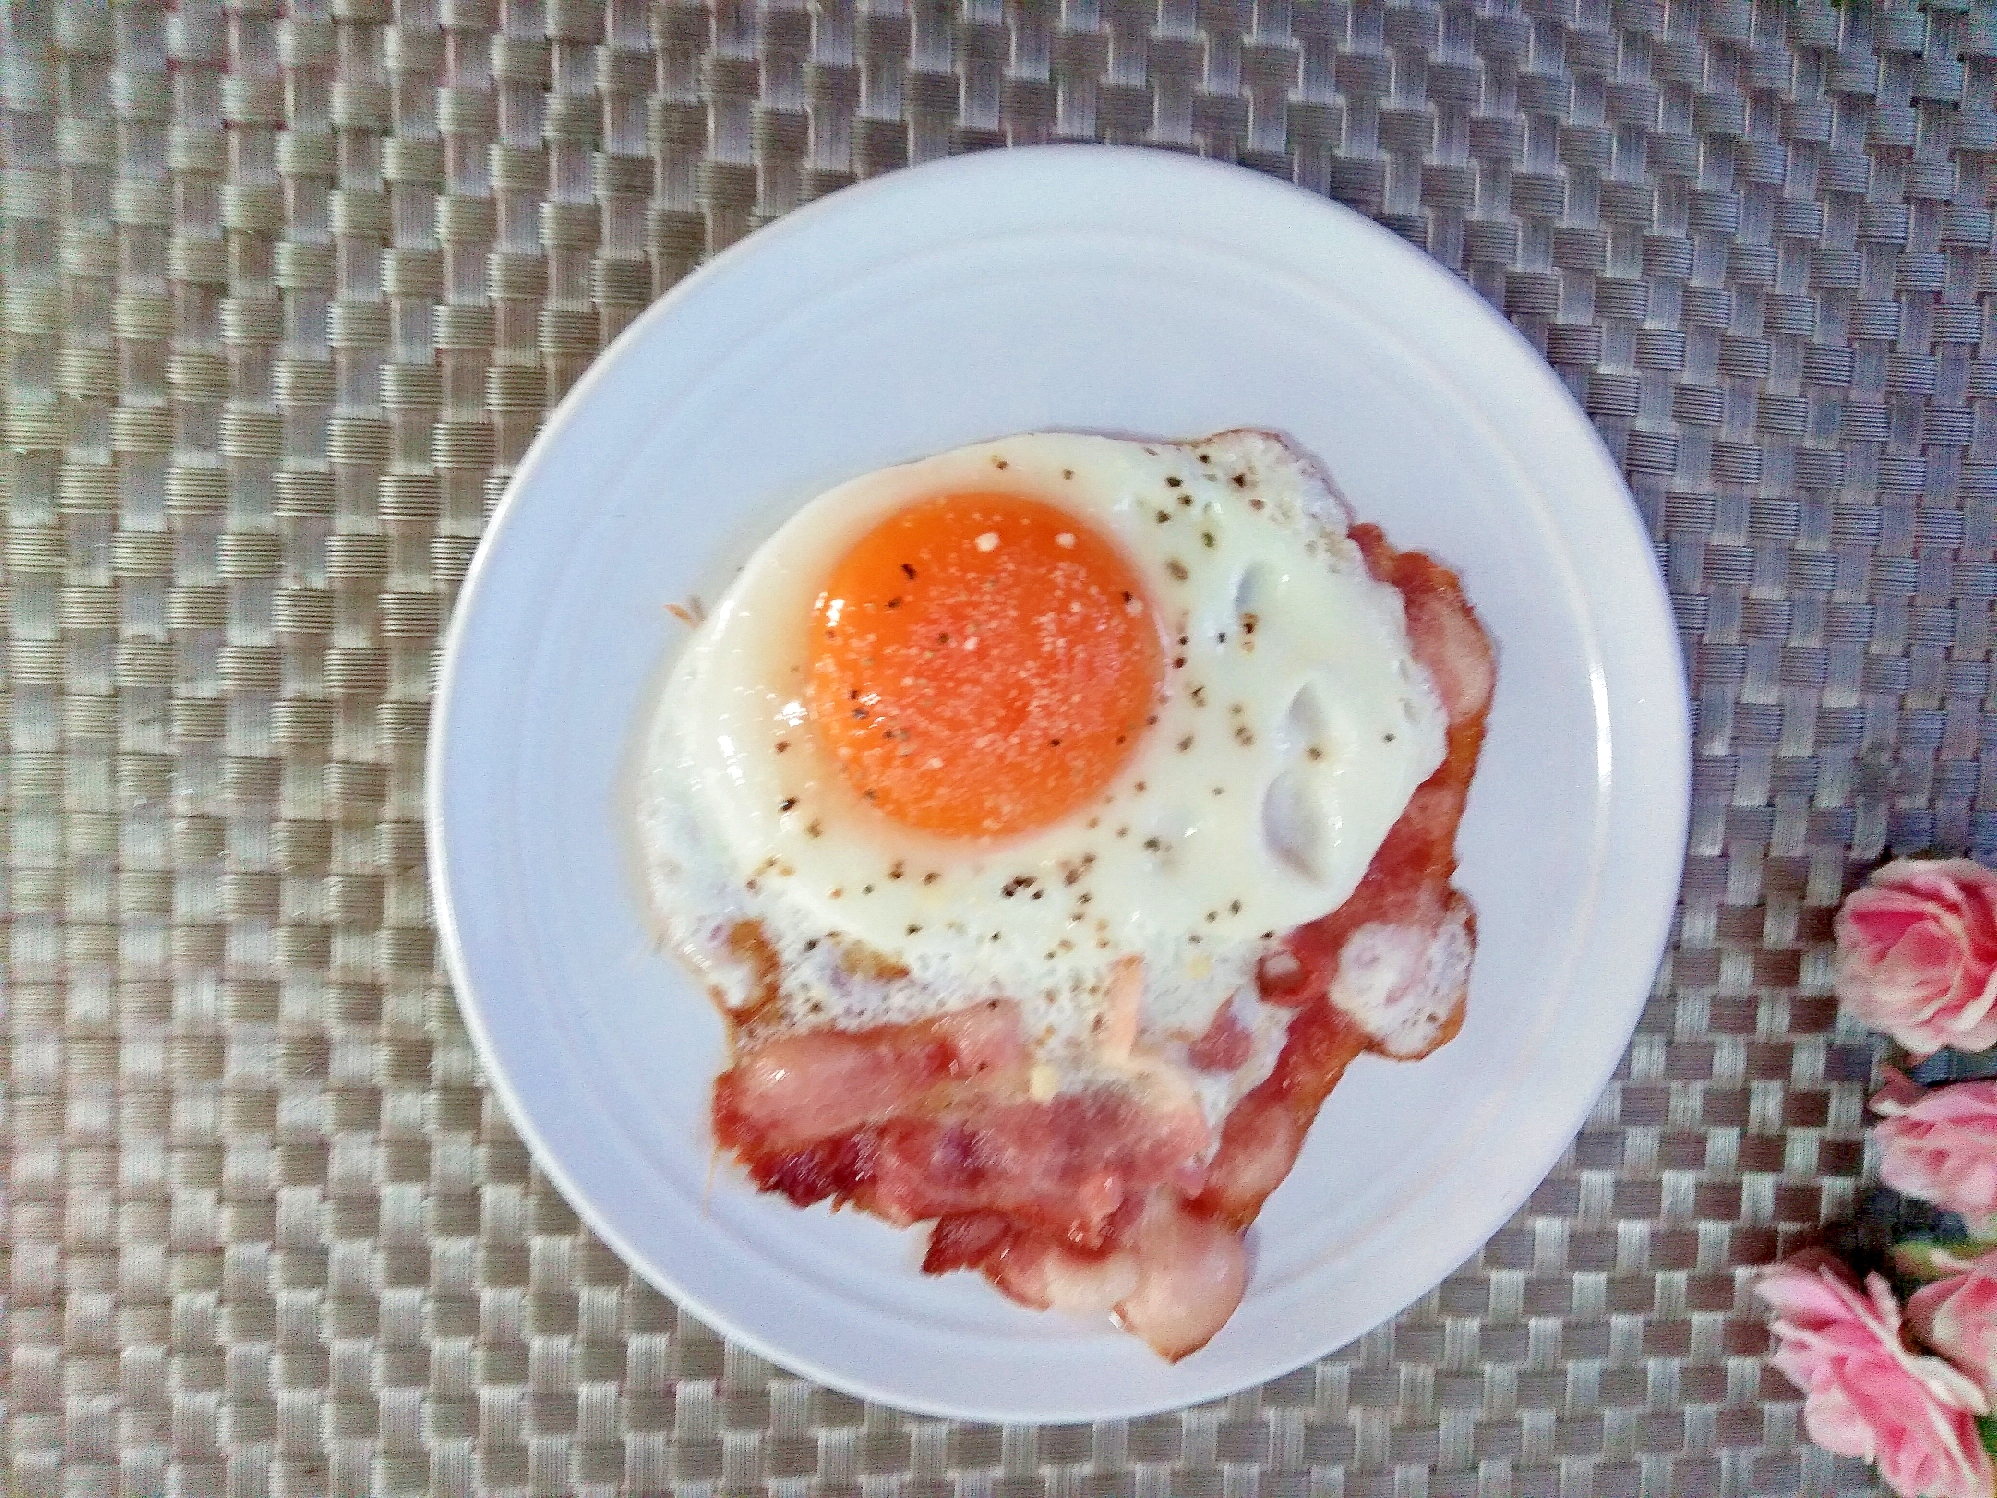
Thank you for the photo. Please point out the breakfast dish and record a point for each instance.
(1053, 820)
(1007, 292)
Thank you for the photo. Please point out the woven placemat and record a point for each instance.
(287, 292)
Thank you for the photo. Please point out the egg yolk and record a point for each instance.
(982, 665)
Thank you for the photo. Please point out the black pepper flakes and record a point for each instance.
(782, 744)
(908, 572)
(787, 803)
(999, 463)
(1185, 743)
(1172, 483)
(1241, 481)
(1242, 734)
(1178, 570)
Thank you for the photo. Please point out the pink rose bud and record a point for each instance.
(1866, 1393)
(1917, 954)
(1957, 1317)
(1941, 1144)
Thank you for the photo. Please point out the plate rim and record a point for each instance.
(1672, 768)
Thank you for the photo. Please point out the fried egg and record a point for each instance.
(1082, 722)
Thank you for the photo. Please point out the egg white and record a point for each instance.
(1292, 727)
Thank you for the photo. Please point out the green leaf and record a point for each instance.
(1924, 1260)
(1986, 1426)
(1921, 1261)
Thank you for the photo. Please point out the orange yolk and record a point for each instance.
(982, 665)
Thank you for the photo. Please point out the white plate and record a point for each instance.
(1099, 289)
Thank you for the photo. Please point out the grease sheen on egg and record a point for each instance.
(1287, 725)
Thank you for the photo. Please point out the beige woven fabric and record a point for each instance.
(287, 291)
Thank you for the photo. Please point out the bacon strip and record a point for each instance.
(1063, 1167)
(1170, 1273)
(1407, 884)
(934, 1118)
(1098, 1200)
(786, 1093)
(1225, 1046)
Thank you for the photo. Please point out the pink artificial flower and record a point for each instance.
(1865, 1392)
(1940, 1144)
(1957, 1317)
(1917, 954)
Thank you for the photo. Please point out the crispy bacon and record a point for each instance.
(1191, 1272)
(1036, 1268)
(1171, 1273)
(934, 1118)
(1262, 1135)
(1106, 1199)
(1407, 884)
(1226, 1044)
(1064, 1166)
(793, 1091)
